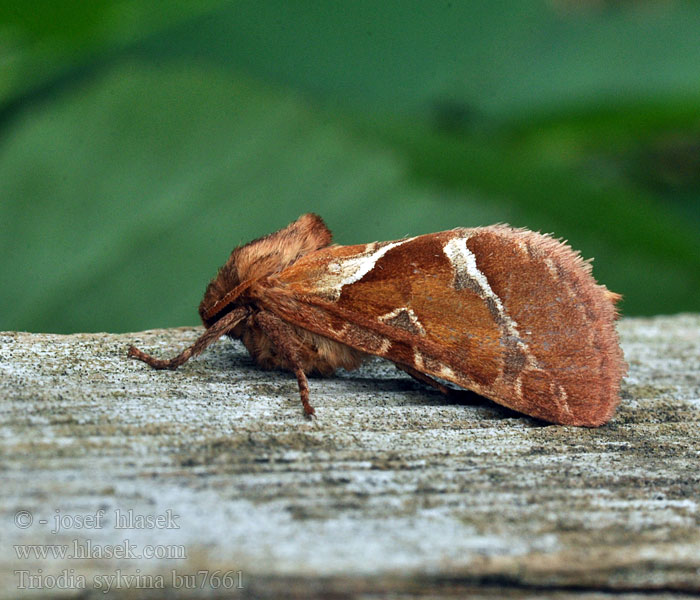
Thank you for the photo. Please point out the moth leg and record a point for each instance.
(285, 341)
(423, 378)
(212, 334)
(304, 392)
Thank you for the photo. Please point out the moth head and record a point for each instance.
(259, 259)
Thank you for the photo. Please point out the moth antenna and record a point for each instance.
(213, 333)
(228, 299)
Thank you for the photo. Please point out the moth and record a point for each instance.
(514, 315)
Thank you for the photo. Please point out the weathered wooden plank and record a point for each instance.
(393, 489)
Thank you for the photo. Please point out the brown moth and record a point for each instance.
(513, 315)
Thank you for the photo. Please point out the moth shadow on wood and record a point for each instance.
(428, 395)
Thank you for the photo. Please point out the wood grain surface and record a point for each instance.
(393, 491)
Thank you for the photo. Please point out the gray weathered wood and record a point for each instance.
(392, 489)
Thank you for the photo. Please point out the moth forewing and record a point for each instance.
(513, 315)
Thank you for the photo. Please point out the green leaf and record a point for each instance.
(123, 196)
(496, 57)
(43, 41)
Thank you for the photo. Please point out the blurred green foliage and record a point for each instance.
(141, 141)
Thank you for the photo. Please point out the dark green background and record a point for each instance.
(141, 141)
